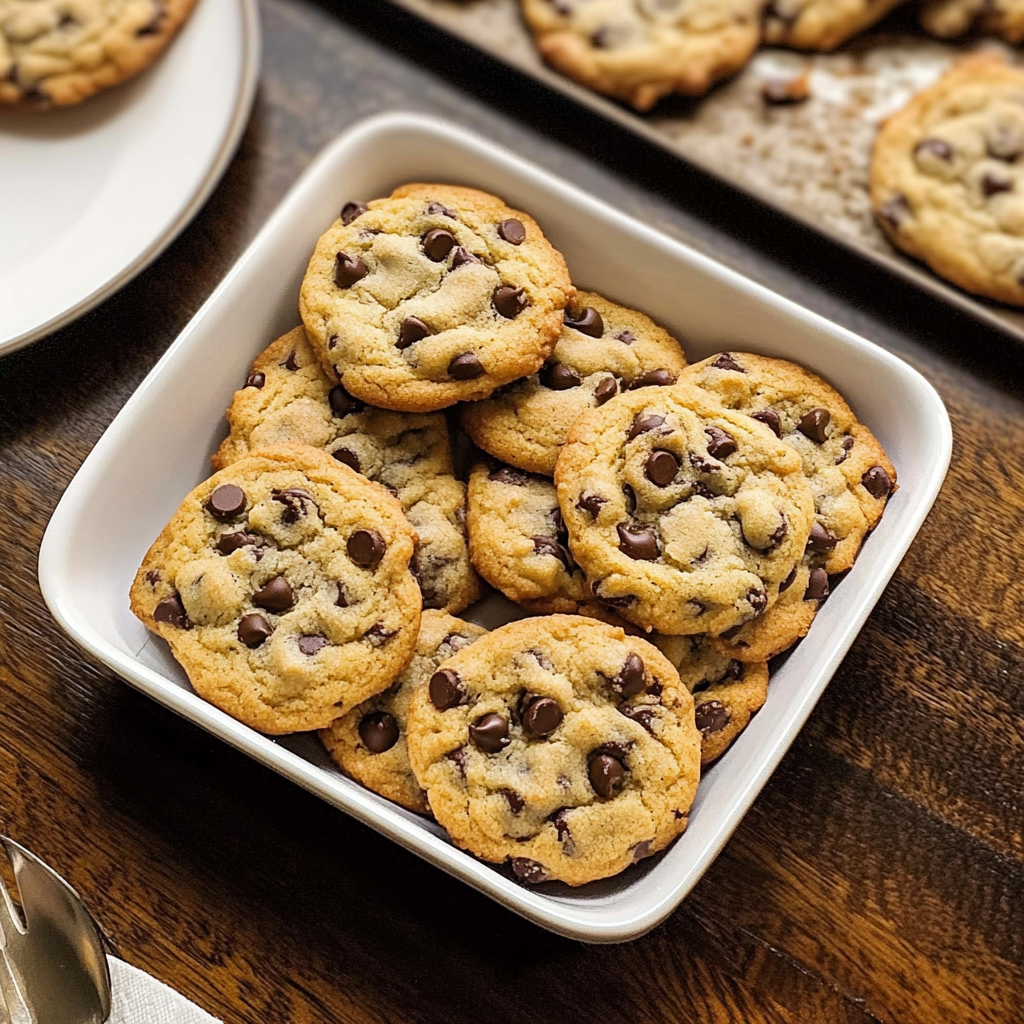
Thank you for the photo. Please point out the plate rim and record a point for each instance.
(245, 96)
(543, 909)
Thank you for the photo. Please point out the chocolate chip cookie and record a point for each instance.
(517, 540)
(60, 52)
(282, 586)
(559, 743)
(369, 742)
(684, 515)
(950, 18)
(641, 50)
(820, 24)
(288, 397)
(947, 178)
(604, 348)
(435, 295)
(849, 474)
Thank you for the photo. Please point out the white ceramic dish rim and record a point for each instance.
(245, 94)
(558, 915)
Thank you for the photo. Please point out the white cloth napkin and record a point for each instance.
(141, 999)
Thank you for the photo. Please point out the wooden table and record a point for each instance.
(879, 876)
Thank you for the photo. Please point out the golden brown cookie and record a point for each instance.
(820, 24)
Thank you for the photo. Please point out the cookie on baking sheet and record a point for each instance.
(517, 540)
(820, 24)
(604, 348)
(369, 742)
(436, 295)
(950, 18)
(288, 397)
(726, 693)
(282, 585)
(559, 743)
(60, 52)
(947, 178)
(641, 50)
(684, 515)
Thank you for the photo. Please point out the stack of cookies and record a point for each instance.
(671, 527)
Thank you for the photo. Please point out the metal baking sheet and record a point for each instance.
(809, 160)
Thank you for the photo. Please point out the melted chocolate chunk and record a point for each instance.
(255, 380)
(770, 418)
(631, 678)
(638, 542)
(253, 630)
(229, 542)
(366, 548)
(607, 388)
(725, 361)
(348, 270)
(643, 423)
(814, 424)
(877, 483)
(559, 377)
(489, 733)
(529, 871)
(661, 467)
(379, 731)
(821, 540)
(342, 403)
(275, 596)
(515, 800)
(463, 256)
(341, 601)
(720, 444)
(509, 301)
(350, 211)
(591, 503)
(172, 611)
(378, 634)
(607, 775)
(653, 378)
(411, 330)
(226, 503)
(347, 457)
(710, 717)
(587, 321)
(512, 231)
(847, 444)
(311, 643)
(817, 586)
(508, 475)
(289, 363)
(542, 716)
(294, 500)
(465, 366)
(438, 243)
(445, 689)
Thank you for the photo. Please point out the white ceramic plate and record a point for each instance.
(93, 194)
(93, 545)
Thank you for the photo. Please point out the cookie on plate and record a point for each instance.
(436, 295)
(559, 743)
(287, 397)
(641, 50)
(684, 515)
(726, 693)
(950, 18)
(820, 24)
(947, 178)
(603, 349)
(60, 52)
(369, 742)
(282, 586)
(518, 542)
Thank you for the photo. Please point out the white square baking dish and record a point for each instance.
(157, 449)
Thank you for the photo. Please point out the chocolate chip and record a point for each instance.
(780, 531)
(643, 423)
(512, 231)
(275, 596)
(253, 630)
(638, 542)
(817, 586)
(846, 445)
(560, 819)
(438, 243)
(342, 599)
(587, 321)
(294, 500)
(788, 581)
(465, 366)
(542, 716)
(631, 678)
(378, 730)
(936, 147)
(463, 256)
(560, 377)
(508, 475)
(661, 467)
(607, 388)
(991, 184)
(529, 871)
(509, 301)
(653, 378)
(445, 689)
(895, 211)
(630, 495)
(758, 601)
(642, 714)
(435, 208)
(342, 403)
(332, 341)
(350, 211)
(720, 444)
(347, 457)
(255, 380)
(153, 577)
(591, 503)
(550, 546)
(607, 775)
(289, 363)
(229, 542)
(515, 800)
(226, 503)
(311, 643)
(711, 716)
(366, 548)
(348, 270)
(172, 611)
(626, 337)
(814, 424)
(412, 329)
(877, 483)
(378, 635)
(459, 758)
(613, 602)
(821, 540)
(489, 733)
(770, 418)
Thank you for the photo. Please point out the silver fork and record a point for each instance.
(53, 969)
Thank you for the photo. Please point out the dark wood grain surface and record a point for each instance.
(879, 876)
